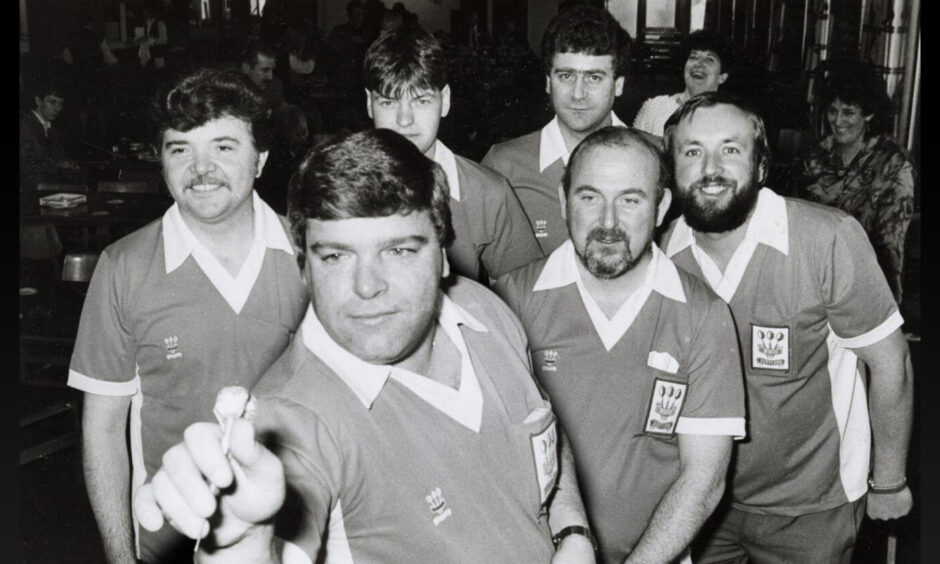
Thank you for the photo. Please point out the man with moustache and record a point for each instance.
(403, 417)
(639, 357)
(809, 301)
(584, 54)
(205, 297)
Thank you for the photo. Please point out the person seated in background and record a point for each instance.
(707, 61)
(405, 78)
(206, 297)
(258, 60)
(42, 156)
(584, 56)
(403, 422)
(859, 168)
(289, 143)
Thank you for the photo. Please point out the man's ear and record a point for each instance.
(259, 164)
(445, 100)
(618, 86)
(722, 78)
(564, 202)
(369, 103)
(37, 102)
(548, 84)
(246, 67)
(445, 265)
(663, 206)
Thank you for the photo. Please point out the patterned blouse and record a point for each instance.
(877, 188)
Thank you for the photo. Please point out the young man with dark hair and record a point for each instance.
(207, 296)
(404, 421)
(584, 52)
(41, 154)
(640, 358)
(405, 77)
(707, 63)
(810, 305)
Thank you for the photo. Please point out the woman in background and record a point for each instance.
(859, 168)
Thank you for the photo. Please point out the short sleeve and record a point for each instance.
(859, 304)
(715, 404)
(104, 358)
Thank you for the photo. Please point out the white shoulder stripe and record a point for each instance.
(887, 327)
(84, 383)
(732, 426)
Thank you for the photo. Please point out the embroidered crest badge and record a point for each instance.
(770, 348)
(541, 228)
(665, 407)
(549, 360)
(545, 454)
(172, 347)
(438, 506)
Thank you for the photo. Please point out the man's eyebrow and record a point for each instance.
(576, 71)
(626, 191)
(393, 242)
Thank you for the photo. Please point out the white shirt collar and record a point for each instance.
(366, 380)
(768, 225)
(179, 242)
(445, 157)
(552, 146)
(46, 124)
(560, 270)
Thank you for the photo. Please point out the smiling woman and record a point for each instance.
(861, 169)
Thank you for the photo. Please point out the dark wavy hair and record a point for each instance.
(616, 136)
(207, 94)
(710, 100)
(588, 30)
(404, 59)
(861, 85)
(708, 40)
(372, 173)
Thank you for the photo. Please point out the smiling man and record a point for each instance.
(639, 357)
(405, 76)
(707, 63)
(584, 52)
(404, 420)
(814, 313)
(205, 297)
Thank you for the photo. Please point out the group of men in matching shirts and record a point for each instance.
(401, 422)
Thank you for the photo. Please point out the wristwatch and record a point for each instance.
(574, 530)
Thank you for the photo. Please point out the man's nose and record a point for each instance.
(202, 162)
(609, 216)
(713, 164)
(579, 91)
(404, 116)
(370, 280)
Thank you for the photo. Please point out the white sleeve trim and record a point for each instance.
(887, 327)
(291, 553)
(733, 426)
(84, 383)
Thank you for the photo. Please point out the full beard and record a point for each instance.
(707, 216)
(604, 262)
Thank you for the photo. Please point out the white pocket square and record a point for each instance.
(662, 361)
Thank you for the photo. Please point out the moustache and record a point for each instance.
(206, 179)
(607, 236)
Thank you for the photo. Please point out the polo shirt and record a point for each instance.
(534, 165)
(623, 387)
(492, 233)
(391, 466)
(165, 323)
(804, 288)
